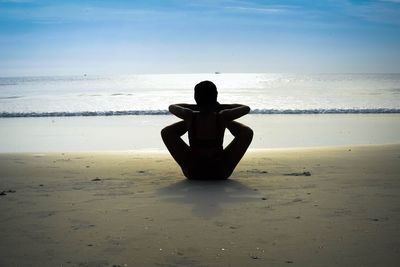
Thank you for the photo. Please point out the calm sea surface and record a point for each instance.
(151, 94)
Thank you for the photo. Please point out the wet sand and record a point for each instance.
(112, 133)
(333, 206)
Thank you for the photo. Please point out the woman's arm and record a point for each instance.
(189, 106)
(235, 112)
(180, 111)
(228, 106)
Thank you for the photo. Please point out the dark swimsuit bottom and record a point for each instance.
(205, 168)
(203, 165)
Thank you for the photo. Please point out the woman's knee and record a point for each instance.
(168, 134)
(239, 129)
(246, 133)
(168, 130)
(176, 129)
(165, 133)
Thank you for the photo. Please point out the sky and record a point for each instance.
(42, 37)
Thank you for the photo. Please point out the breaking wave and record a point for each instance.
(166, 112)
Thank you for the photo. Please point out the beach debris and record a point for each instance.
(297, 217)
(305, 173)
(87, 166)
(256, 171)
(4, 192)
(289, 261)
(96, 179)
(41, 185)
(264, 198)
(254, 257)
(219, 224)
(149, 219)
(141, 171)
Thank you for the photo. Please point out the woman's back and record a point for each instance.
(206, 136)
(206, 131)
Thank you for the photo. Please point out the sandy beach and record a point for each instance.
(332, 206)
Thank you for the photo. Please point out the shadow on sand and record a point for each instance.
(208, 197)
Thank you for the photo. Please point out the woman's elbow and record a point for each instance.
(171, 108)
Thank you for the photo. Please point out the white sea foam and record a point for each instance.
(151, 94)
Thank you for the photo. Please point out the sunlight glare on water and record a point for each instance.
(151, 93)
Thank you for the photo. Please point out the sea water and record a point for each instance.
(265, 93)
(44, 114)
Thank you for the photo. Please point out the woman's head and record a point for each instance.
(205, 94)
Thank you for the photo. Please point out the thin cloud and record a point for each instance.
(17, 1)
(376, 12)
(391, 1)
(270, 9)
(74, 13)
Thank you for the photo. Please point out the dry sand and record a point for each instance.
(136, 209)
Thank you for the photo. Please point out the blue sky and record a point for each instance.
(39, 37)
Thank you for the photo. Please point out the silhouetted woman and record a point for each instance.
(205, 123)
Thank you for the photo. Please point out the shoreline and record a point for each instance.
(165, 152)
(334, 206)
(143, 132)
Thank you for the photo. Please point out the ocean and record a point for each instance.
(127, 112)
(265, 93)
